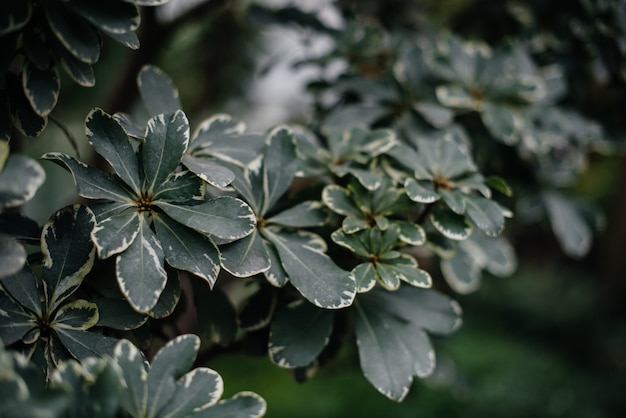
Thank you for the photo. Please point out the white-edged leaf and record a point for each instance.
(188, 250)
(17, 14)
(167, 137)
(418, 192)
(245, 257)
(486, 214)
(241, 405)
(140, 271)
(90, 182)
(570, 228)
(116, 233)
(24, 288)
(68, 252)
(195, 391)
(338, 200)
(450, 224)
(85, 344)
(298, 334)
(365, 276)
(209, 170)
(109, 139)
(111, 17)
(15, 322)
(279, 166)
(305, 214)
(41, 88)
(75, 34)
(224, 216)
(312, 272)
(78, 315)
(20, 179)
(134, 368)
(157, 91)
(170, 363)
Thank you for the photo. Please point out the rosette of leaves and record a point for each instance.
(374, 227)
(20, 178)
(463, 267)
(41, 314)
(498, 84)
(405, 97)
(280, 247)
(446, 179)
(37, 36)
(125, 384)
(353, 152)
(151, 210)
(167, 387)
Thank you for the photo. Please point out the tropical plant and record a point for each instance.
(355, 227)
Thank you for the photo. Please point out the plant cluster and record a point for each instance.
(298, 240)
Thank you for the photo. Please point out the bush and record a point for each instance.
(356, 225)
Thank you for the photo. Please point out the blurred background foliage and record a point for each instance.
(550, 341)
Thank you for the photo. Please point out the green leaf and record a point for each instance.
(116, 233)
(410, 233)
(12, 256)
(169, 364)
(85, 344)
(140, 271)
(501, 121)
(117, 314)
(276, 274)
(157, 91)
(302, 215)
(456, 97)
(216, 313)
(196, 391)
(68, 252)
(419, 192)
(109, 140)
(93, 388)
(24, 118)
(76, 35)
(90, 182)
(570, 228)
(128, 39)
(279, 166)
(111, 17)
(387, 277)
(19, 180)
(241, 405)
(499, 184)
(462, 272)
(170, 296)
(353, 242)
(450, 224)
(224, 216)
(365, 275)
(385, 359)
(186, 249)
(24, 288)
(218, 131)
(454, 199)
(41, 88)
(486, 214)
(134, 368)
(81, 72)
(14, 322)
(15, 16)
(393, 346)
(298, 334)
(338, 200)
(311, 271)
(209, 170)
(181, 186)
(245, 257)
(350, 225)
(258, 310)
(406, 269)
(78, 315)
(167, 137)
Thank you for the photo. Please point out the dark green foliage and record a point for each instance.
(351, 230)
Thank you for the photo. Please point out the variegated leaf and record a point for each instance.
(365, 276)
(312, 272)
(167, 137)
(241, 405)
(279, 166)
(140, 271)
(298, 334)
(77, 36)
(420, 193)
(17, 14)
(302, 215)
(111, 17)
(15, 322)
(109, 139)
(209, 170)
(225, 217)
(486, 214)
(19, 180)
(68, 252)
(78, 315)
(338, 200)
(116, 233)
(41, 88)
(450, 224)
(157, 91)
(245, 257)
